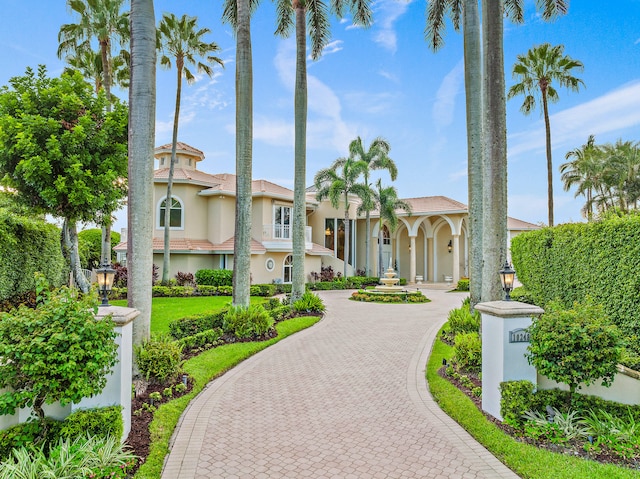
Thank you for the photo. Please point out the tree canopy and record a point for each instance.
(59, 148)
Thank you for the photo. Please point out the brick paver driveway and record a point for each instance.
(344, 399)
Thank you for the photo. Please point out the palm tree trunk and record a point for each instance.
(244, 139)
(494, 212)
(473, 89)
(347, 234)
(166, 260)
(142, 112)
(547, 126)
(105, 252)
(299, 203)
(367, 243)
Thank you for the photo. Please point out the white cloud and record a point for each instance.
(389, 76)
(325, 125)
(458, 175)
(372, 103)
(387, 12)
(616, 110)
(163, 127)
(451, 86)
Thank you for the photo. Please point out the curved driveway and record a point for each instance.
(346, 398)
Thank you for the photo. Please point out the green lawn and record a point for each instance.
(165, 310)
(527, 461)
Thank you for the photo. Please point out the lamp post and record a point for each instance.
(507, 275)
(105, 281)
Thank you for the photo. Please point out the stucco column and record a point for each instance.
(456, 259)
(412, 259)
(504, 348)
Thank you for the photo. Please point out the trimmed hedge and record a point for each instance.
(572, 261)
(28, 246)
(191, 325)
(214, 277)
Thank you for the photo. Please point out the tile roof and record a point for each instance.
(318, 250)
(180, 146)
(181, 175)
(516, 224)
(431, 204)
(195, 245)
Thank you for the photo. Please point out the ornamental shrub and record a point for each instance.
(56, 352)
(159, 359)
(516, 398)
(461, 320)
(245, 323)
(310, 303)
(214, 277)
(463, 284)
(100, 422)
(94, 457)
(467, 352)
(575, 346)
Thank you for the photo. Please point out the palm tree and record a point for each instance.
(583, 171)
(436, 10)
(338, 182)
(89, 63)
(142, 113)
(388, 203)
(238, 14)
(99, 19)
(102, 20)
(376, 158)
(181, 39)
(536, 72)
(317, 16)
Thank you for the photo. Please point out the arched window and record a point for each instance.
(386, 237)
(176, 217)
(287, 269)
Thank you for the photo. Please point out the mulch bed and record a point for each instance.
(571, 448)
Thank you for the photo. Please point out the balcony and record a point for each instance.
(278, 237)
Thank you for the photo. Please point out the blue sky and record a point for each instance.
(381, 81)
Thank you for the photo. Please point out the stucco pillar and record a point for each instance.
(456, 259)
(504, 347)
(117, 392)
(412, 259)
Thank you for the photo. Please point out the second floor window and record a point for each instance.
(175, 213)
(282, 222)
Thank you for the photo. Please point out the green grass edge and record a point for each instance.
(527, 461)
(203, 369)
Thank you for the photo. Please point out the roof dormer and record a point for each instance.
(187, 157)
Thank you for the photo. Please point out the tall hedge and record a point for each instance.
(28, 246)
(569, 262)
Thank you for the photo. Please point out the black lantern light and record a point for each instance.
(105, 281)
(450, 247)
(508, 275)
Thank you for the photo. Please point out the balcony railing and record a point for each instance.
(283, 233)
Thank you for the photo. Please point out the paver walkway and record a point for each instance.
(346, 398)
